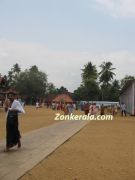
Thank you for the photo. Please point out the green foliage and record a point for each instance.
(13, 75)
(106, 74)
(62, 90)
(115, 90)
(32, 83)
(3, 82)
(125, 79)
(110, 92)
(89, 73)
(89, 90)
(79, 93)
(51, 89)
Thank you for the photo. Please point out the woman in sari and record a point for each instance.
(12, 132)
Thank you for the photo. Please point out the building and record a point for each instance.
(127, 96)
(63, 98)
(10, 92)
(6, 94)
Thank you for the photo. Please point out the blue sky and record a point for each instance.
(67, 34)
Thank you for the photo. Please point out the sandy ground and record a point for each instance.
(103, 150)
(33, 119)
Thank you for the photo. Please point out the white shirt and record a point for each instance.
(123, 107)
(17, 105)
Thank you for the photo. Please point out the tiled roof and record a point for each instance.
(63, 98)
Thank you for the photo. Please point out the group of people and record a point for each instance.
(67, 108)
(13, 107)
(88, 108)
(93, 109)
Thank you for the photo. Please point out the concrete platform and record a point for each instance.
(36, 145)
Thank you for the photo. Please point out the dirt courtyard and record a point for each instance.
(33, 119)
(103, 150)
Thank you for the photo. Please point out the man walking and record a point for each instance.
(123, 109)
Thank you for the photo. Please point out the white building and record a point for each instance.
(128, 96)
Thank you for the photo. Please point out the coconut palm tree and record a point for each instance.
(106, 74)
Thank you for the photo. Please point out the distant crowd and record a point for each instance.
(68, 108)
(88, 108)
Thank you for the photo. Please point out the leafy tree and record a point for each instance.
(34, 69)
(13, 75)
(80, 93)
(89, 89)
(62, 90)
(89, 73)
(3, 82)
(51, 89)
(105, 92)
(115, 90)
(16, 69)
(126, 79)
(111, 91)
(32, 83)
(86, 93)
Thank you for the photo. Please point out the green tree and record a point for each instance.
(115, 90)
(3, 83)
(106, 74)
(89, 73)
(80, 93)
(32, 83)
(16, 69)
(51, 89)
(126, 79)
(13, 75)
(89, 89)
(62, 90)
